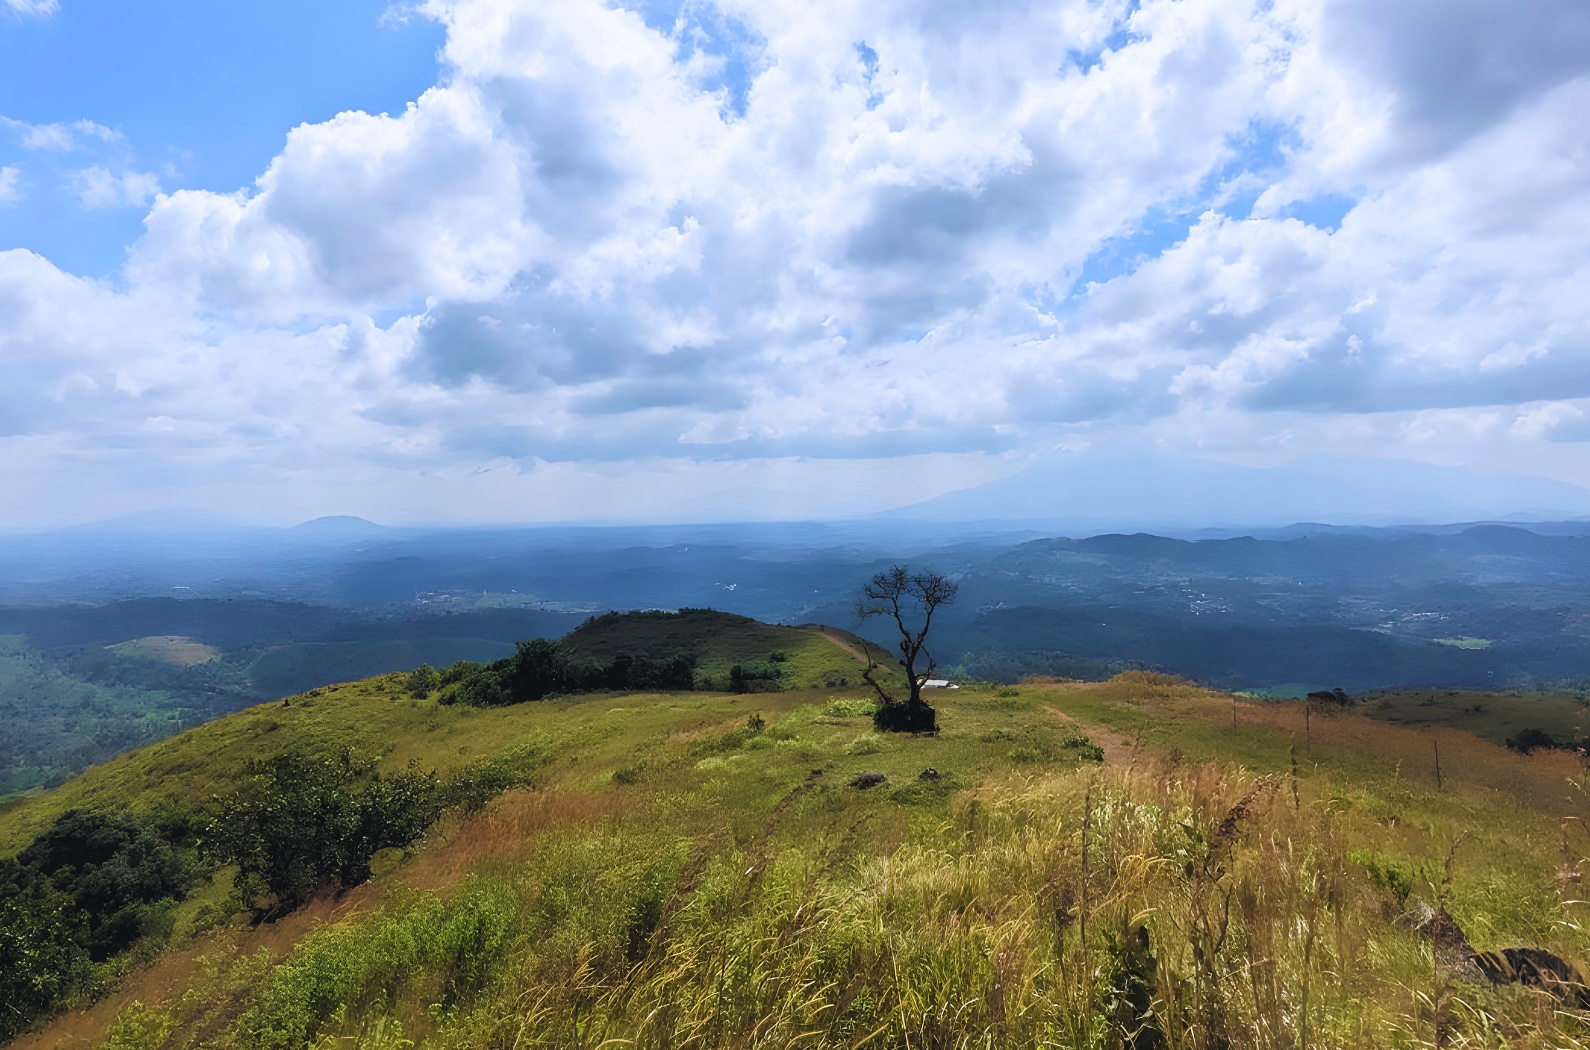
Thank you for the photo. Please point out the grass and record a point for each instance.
(1494, 716)
(676, 878)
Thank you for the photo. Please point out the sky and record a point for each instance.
(510, 261)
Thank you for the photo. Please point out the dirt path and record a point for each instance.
(1118, 751)
(859, 656)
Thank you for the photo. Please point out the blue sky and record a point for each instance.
(518, 260)
(202, 94)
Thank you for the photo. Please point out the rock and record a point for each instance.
(931, 775)
(1535, 968)
(1531, 967)
(868, 778)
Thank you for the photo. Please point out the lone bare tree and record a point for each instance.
(910, 599)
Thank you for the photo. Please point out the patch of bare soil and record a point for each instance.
(1117, 750)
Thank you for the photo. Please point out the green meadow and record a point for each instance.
(1130, 863)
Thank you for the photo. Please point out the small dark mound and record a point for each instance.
(868, 778)
(931, 775)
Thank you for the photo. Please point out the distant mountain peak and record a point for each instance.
(338, 524)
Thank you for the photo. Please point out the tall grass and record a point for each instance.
(1171, 905)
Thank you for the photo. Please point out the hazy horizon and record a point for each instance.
(1175, 495)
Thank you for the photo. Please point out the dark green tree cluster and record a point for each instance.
(298, 824)
(95, 884)
(1329, 697)
(745, 678)
(541, 668)
(86, 889)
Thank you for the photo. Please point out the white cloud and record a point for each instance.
(10, 186)
(34, 8)
(359, 213)
(99, 187)
(847, 230)
(62, 138)
(55, 137)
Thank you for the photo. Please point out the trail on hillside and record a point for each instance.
(859, 656)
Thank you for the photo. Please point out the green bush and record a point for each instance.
(745, 678)
(540, 668)
(850, 709)
(85, 890)
(298, 824)
(43, 953)
(1086, 749)
(1394, 876)
(424, 680)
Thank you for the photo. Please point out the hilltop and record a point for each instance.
(1062, 860)
(775, 656)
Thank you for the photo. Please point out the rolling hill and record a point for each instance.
(1064, 864)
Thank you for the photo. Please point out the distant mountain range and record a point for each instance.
(1081, 493)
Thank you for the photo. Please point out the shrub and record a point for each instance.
(458, 670)
(910, 716)
(115, 868)
(1395, 877)
(1086, 749)
(1532, 739)
(42, 953)
(423, 680)
(83, 891)
(298, 824)
(850, 709)
(540, 668)
(745, 677)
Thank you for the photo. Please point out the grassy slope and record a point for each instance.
(720, 640)
(72, 723)
(1494, 716)
(916, 898)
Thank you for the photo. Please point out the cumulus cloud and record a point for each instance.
(866, 230)
(10, 186)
